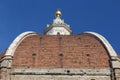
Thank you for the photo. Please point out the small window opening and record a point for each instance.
(33, 54)
(68, 71)
(58, 33)
(61, 54)
(40, 38)
(88, 54)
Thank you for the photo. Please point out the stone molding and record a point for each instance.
(10, 51)
(108, 46)
(61, 71)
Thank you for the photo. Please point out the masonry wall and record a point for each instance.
(75, 51)
(117, 74)
(84, 52)
(55, 74)
(33, 77)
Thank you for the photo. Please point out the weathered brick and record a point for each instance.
(77, 51)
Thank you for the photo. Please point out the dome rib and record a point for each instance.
(10, 51)
(108, 46)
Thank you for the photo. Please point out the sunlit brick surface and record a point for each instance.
(72, 51)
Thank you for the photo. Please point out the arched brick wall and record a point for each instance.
(73, 51)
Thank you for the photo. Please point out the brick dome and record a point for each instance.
(37, 56)
(57, 51)
(59, 55)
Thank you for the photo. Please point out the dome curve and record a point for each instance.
(108, 46)
(10, 51)
(58, 51)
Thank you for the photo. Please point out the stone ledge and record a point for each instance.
(60, 77)
(59, 71)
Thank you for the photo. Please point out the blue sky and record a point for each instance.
(101, 16)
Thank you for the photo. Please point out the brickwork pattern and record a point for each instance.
(73, 51)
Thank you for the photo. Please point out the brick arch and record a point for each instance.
(10, 51)
(111, 51)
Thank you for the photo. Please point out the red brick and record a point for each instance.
(78, 51)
